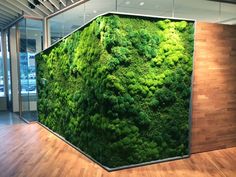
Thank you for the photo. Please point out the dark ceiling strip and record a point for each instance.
(225, 1)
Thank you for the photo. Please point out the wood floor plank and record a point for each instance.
(31, 150)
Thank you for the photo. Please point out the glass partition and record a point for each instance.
(24, 82)
(96, 7)
(64, 23)
(30, 42)
(202, 10)
(228, 14)
(147, 7)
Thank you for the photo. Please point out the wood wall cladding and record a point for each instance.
(214, 88)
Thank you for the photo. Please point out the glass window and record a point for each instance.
(200, 10)
(68, 21)
(97, 7)
(1, 69)
(228, 13)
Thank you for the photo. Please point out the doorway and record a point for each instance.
(23, 40)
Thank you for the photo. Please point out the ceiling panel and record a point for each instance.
(225, 1)
(10, 10)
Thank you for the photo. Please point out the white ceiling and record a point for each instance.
(10, 10)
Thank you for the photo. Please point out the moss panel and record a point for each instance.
(119, 88)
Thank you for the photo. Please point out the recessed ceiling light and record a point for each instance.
(141, 3)
(94, 11)
(127, 2)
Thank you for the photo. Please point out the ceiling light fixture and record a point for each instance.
(94, 11)
(141, 3)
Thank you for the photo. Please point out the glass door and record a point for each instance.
(23, 70)
(30, 42)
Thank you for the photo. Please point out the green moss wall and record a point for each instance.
(119, 89)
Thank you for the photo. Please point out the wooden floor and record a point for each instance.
(29, 150)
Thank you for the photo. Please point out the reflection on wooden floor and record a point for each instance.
(31, 151)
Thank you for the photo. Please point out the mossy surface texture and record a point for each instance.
(119, 89)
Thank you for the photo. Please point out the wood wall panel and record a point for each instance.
(214, 88)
